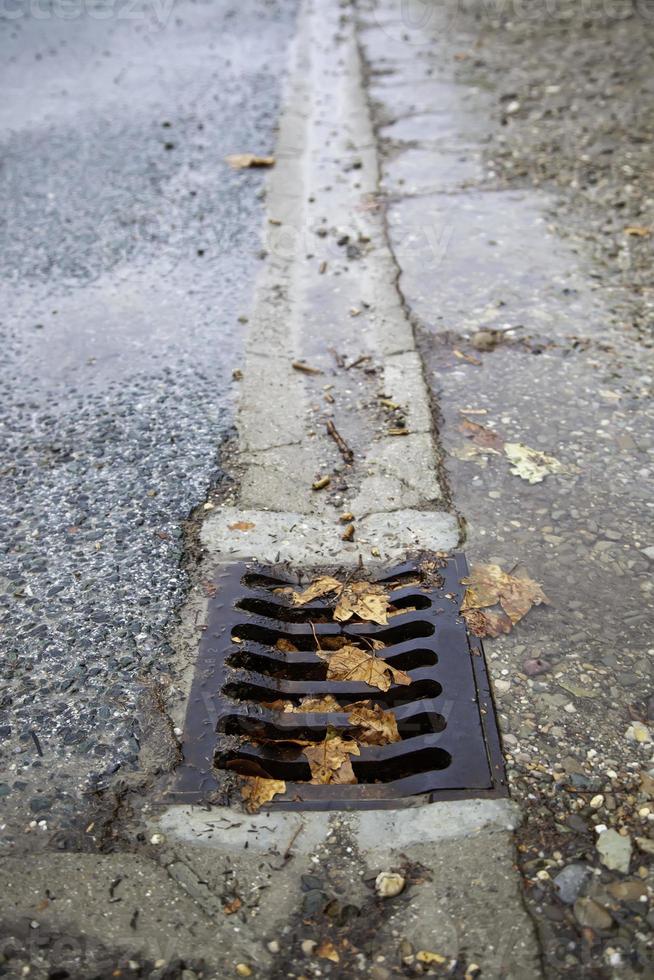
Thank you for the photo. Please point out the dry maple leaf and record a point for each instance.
(329, 760)
(375, 726)
(488, 585)
(367, 600)
(243, 161)
(486, 622)
(321, 587)
(352, 664)
(481, 436)
(256, 791)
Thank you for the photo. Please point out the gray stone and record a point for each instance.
(569, 882)
(614, 851)
(589, 913)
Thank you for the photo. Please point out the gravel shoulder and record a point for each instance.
(517, 167)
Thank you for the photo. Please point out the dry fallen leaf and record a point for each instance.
(232, 906)
(376, 726)
(241, 526)
(488, 585)
(486, 622)
(285, 646)
(366, 600)
(243, 161)
(329, 760)
(327, 951)
(481, 436)
(327, 703)
(322, 586)
(256, 791)
(352, 664)
(531, 464)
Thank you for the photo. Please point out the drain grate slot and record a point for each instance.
(259, 664)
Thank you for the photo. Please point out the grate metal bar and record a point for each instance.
(450, 746)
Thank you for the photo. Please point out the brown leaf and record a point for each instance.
(489, 585)
(256, 791)
(376, 726)
(327, 703)
(329, 760)
(241, 526)
(352, 664)
(278, 705)
(285, 646)
(367, 600)
(232, 906)
(320, 587)
(327, 951)
(243, 161)
(487, 623)
(481, 436)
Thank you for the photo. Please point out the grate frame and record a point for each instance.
(470, 735)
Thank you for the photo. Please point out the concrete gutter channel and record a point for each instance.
(182, 865)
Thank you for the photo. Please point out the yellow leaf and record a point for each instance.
(328, 703)
(367, 600)
(322, 586)
(243, 161)
(327, 951)
(425, 956)
(256, 791)
(531, 464)
(329, 760)
(487, 623)
(352, 664)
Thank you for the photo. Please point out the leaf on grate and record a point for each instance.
(488, 585)
(285, 646)
(329, 760)
(393, 611)
(352, 664)
(327, 703)
(367, 600)
(256, 791)
(327, 951)
(531, 464)
(375, 726)
(321, 587)
(482, 437)
(243, 161)
(278, 705)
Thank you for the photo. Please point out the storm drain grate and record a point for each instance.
(449, 745)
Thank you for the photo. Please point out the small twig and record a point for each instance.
(315, 636)
(36, 742)
(287, 853)
(345, 450)
(359, 360)
(305, 368)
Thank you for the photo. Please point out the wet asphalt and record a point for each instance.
(129, 251)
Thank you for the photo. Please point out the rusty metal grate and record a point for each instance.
(449, 744)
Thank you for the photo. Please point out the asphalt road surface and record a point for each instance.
(129, 251)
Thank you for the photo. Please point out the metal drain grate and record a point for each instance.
(449, 744)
